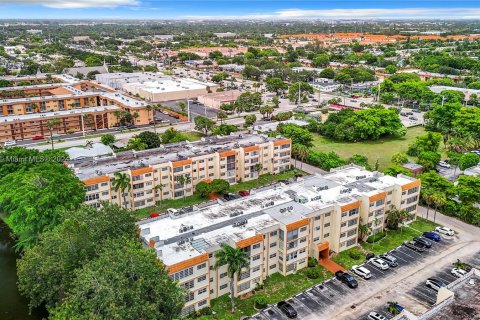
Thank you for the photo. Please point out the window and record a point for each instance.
(291, 267)
(292, 235)
(273, 244)
(202, 278)
(223, 275)
(201, 266)
(223, 286)
(273, 233)
(182, 274)
(256, 269)
(256, 257)
(202, 291)
(273, 255)
(326, 225)
(91, 197)
(412, 190)
(256, 246)
(188, 285)
(412, 199)
(244, 286)
(273, 266)
(91, 188)
(292, 245)
(318, 218)
(189, 296)
(316, 239)
(303, 229)
(292, 255)
(326, 235)
(203, 302)
(301, 250)
(327, 214)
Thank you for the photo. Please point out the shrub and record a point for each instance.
(312, 262)
(313, 273)
(260, 302)
(355, 254)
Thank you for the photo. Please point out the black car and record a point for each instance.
(390, 260)
(347, 279)
(423, 241)
(131, 126)
(411, 245)
(287, 309)
(231, 196)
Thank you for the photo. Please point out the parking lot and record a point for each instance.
(320, 300)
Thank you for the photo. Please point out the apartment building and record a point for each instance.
(155, 174)
(83, 105)
(279, 226)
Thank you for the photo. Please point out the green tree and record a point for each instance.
(320, 60)
(203, 188)
(172, 135)
(219, 186)
(221, 116)
(121, 183)
(428, 142)
(33, 202)
(391, 69)
(235, 259)
(396, 218)
(467, 189)
(395, 170)
(203, 124)
(468, 160)
(429, 159)
(300, 151)
(360, 160)
(46, 270)
(327, 73)
(136, 144)
(107, 139)
(298, 134)
(275, 85)
(52, 124)
(250, 120)
(325, 161)
(150, 139)
(299, 91)
(399, 158)
(124, 282)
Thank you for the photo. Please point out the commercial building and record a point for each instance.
(279, 226)
(216, 99)
(156, 87)
(155, 173)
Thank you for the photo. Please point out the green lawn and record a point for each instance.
(382, 149)
(392, 240)
(193, 135)
(276, 288)
(195, 199)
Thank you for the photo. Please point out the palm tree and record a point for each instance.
(235, 259)
(50, 125)
(136, 144)
(184, 180)
(221, 116)
(427, 197)
(188, 180)
(149, 109)
(438, 199)
(135, 115)
(363, 230)
(300, 151)
(118, 115)
(159, 188)
(395, 218)
(121, 183)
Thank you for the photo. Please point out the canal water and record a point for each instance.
(12, 305)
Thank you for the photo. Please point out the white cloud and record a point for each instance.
(404, 13)
(75, 4)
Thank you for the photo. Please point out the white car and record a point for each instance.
(459, 273)
(444, 164)
(9, 143)
(445, 230)
(434, 284)
(376, 316)
(379, 263)
(362, 272)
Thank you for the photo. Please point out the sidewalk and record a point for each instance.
(307, 168)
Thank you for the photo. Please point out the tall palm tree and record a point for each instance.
(159, 188)
(118, 115)
(149, 109)
(51, 124)
(427, 197)
(438, 199)
(121, 183)
(363, 230)
(235, 259)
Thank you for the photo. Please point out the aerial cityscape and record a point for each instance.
(239, 160)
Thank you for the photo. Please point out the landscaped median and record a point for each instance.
(275, 288)
(391, 240)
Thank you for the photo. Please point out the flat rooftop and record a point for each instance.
(121, 161)
(190, 232)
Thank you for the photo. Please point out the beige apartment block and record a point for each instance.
(155, 174)
(279, 226)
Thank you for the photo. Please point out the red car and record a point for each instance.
(38, 137)
(244, 193)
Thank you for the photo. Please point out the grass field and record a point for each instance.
(382, 149)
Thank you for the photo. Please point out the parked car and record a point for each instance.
(445, 230)
(434, 284)
(244, 193)
(411, 245)
(389, 259)
(379, 263)
(413, 118)
(362, 272)
(9, 143)
(120, 128)
(347, 279)
(425, 242)
(287, 309)
(38, 137)
(416, 111)
(131, 126)
(444, 164)
(231, 196)
(457, 272)
(376, 316)
(432, 236)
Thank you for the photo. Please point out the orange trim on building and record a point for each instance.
(350, 206)
(297, 224)
(323, 246)
(376, 197)
(282, 142)
(411, 185)
(227, 153)
(249, 241)
(181, 163)
(187, 263)
(96, 180)
(252, 148)
(142, 171)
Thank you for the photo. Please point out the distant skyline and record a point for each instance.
(246, 9)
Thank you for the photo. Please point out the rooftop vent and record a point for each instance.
(240, 223)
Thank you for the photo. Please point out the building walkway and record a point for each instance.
(330, 265)
(307, 167)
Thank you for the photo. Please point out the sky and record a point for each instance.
(238, 9)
